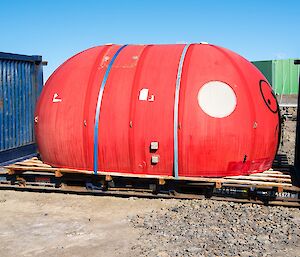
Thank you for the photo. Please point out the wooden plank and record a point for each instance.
(161, 181)
(11, 172)
(108, 178)
(33, 161)
(260, 178)
(270, 175)
(255, 182)
(28, 164)
(218, 184)
(275, 172)
(58, 174)
(280, 189)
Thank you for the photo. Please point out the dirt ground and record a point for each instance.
(49, 224)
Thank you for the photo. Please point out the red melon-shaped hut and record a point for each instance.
(195, 110)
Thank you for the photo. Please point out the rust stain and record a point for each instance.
(1, 104)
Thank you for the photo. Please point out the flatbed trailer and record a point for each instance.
(272, 187)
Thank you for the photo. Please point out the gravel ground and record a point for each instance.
(287, 145)
(37, 224)
(288, 135)
(210, 228)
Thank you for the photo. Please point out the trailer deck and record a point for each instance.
(272, 187)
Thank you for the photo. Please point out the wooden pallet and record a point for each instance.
(268, 179)
(272, 187)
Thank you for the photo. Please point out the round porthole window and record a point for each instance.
(217, 99)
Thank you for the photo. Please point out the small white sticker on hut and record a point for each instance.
(56, 99)
(143, 96)
(151, 98)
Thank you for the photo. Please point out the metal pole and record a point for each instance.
(297, 143)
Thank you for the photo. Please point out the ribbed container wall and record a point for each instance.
(285, 76)
(282, 74)
(21, 81)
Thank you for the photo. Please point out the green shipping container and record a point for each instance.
(283, 75)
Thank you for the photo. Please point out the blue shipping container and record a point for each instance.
(21, 81)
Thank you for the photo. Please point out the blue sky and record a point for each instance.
(258, 30)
